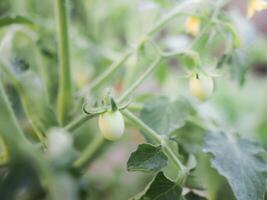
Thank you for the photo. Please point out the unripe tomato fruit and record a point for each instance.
(111, 125)
(201, 86)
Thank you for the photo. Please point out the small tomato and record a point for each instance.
(111, 125)
(201, 86)
(255, 6)
(192, 25)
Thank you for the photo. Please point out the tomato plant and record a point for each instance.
(133, 99)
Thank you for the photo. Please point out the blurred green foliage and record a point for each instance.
(101, 32)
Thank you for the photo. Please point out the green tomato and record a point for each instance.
(201, 86)
(111, 125)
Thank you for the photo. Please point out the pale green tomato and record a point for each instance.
(201, 86)
(111, 125)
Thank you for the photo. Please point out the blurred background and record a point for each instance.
(100, 32)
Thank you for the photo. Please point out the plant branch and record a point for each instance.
(155, 137)
(210, 22)
(65, 96)
(140, 80)
(78, 122)
(172, 14)
(111, 69)
(115, 65)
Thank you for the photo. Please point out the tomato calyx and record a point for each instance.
(108, 103)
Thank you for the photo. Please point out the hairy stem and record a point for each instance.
(65, 96)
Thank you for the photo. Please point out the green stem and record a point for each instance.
(89, 151)
(112, 68)
(155, 137)
(173, 13)
(78, 122)
(83, 118)
(209, 23)
(65, 96)
(140, 80)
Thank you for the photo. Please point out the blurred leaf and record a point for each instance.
(161, 72)
(147, 158)
(238, 66)
(35, 101)
(10, 130)
(200, 44)
(240, 162)
(33, 96)
(193, 196)
(235, 38)
(162, 188)
(190, 59)
(21, 182)
(164, 116)
(191, 162)
(224, 59)
(8, 20)
(65, 187)
(3, 152)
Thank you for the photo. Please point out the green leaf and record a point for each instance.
(162, 188)
(240, 162)
(164, 116)
(8, 20)
(147, 158)
(193, 196)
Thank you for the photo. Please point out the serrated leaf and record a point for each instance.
(240, 162)
(162, 188)
(147, 158)
(164, 116)
(8, 20)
